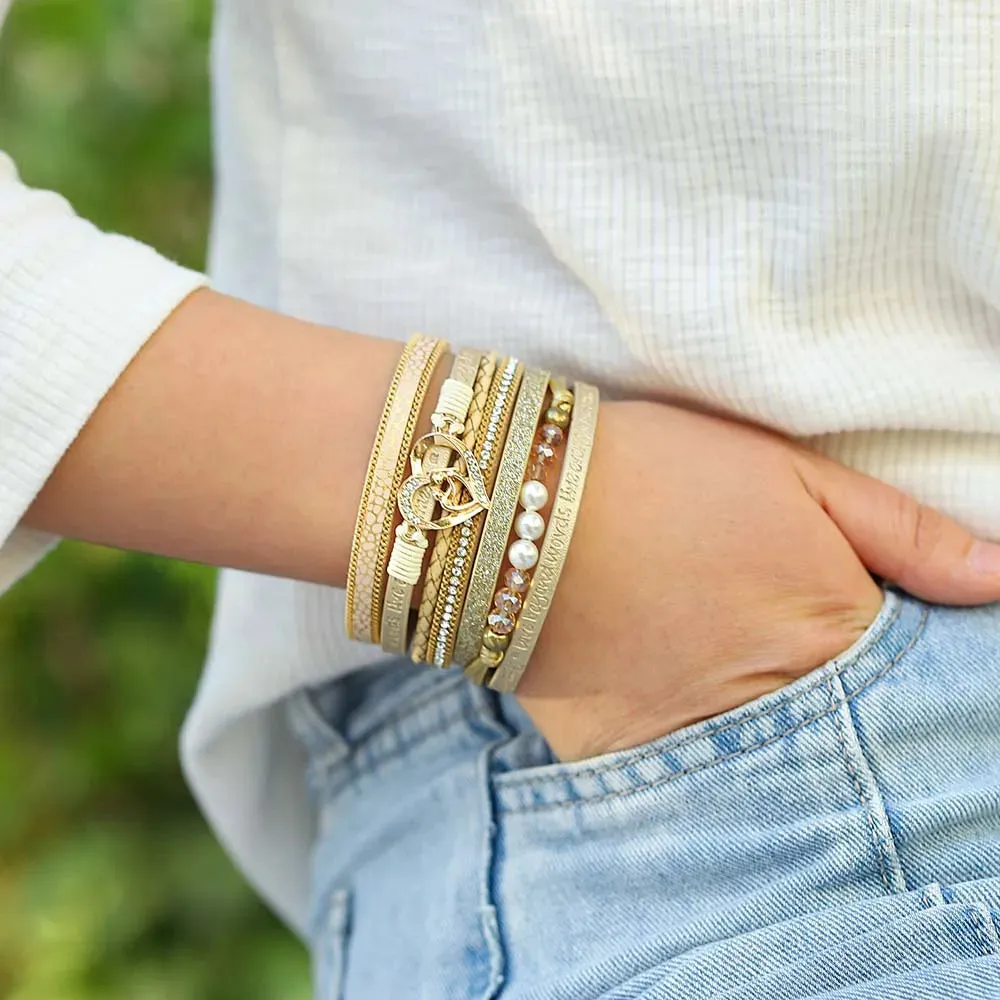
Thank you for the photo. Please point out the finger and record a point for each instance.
(918, 548)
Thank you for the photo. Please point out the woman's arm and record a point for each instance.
(712, 561)
(236, 437)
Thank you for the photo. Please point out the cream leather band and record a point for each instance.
(386, 468)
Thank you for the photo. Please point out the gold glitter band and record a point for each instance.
(386, 468)
(559, 532)
(496, 531)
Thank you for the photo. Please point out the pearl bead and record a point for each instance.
(530, 524)
(523, 554)
(534, 495)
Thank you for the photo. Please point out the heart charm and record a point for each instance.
(460, 489)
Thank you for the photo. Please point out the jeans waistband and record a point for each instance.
(356, 724)
(353, 725)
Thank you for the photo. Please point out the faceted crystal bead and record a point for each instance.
(507, 601)
(552, 435)
(500, 622)
(517, 580)
(544, 452)
(537, 471)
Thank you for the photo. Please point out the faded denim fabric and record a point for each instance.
(839, 838)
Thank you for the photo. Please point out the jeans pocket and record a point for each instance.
(527, 764)
(330, 947)
(754, 817)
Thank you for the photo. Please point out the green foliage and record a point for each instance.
(111, 885)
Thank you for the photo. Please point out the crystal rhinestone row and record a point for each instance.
(451, 607)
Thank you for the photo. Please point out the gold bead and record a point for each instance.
(490, 658)
(557, 417)
(564, 403)
(494, 642)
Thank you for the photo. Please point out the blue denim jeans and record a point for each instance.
(839, 838)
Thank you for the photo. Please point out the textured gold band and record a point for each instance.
(562, 521)
(386, 468)
(500, 518)
(458, 567)
(399, 593)
(439, 551)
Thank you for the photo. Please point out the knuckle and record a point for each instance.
(924, 526)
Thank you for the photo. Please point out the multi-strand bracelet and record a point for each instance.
(476, 535)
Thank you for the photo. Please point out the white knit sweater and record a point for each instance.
(788, 209)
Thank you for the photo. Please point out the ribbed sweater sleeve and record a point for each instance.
(76, 305)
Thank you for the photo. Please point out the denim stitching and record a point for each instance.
(834, 671)
(929, 897)
(311, 730)
(877, 841)
(352, 769)
(489, 916)
(979, 930)
(666, 779)
(321, 758)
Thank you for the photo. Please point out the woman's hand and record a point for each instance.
(713, 563)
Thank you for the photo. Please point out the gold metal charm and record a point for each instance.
(448, 486)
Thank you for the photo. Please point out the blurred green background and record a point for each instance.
(111, 885)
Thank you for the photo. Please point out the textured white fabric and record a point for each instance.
(75, 307)
(787, 209)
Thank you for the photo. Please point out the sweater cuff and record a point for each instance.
(75, 308)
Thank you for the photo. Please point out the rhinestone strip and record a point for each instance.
(459, 568)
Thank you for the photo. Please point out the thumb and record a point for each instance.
(897, 538)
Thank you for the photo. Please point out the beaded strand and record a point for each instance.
(529, 527)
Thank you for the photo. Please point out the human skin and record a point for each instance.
(712, 561)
